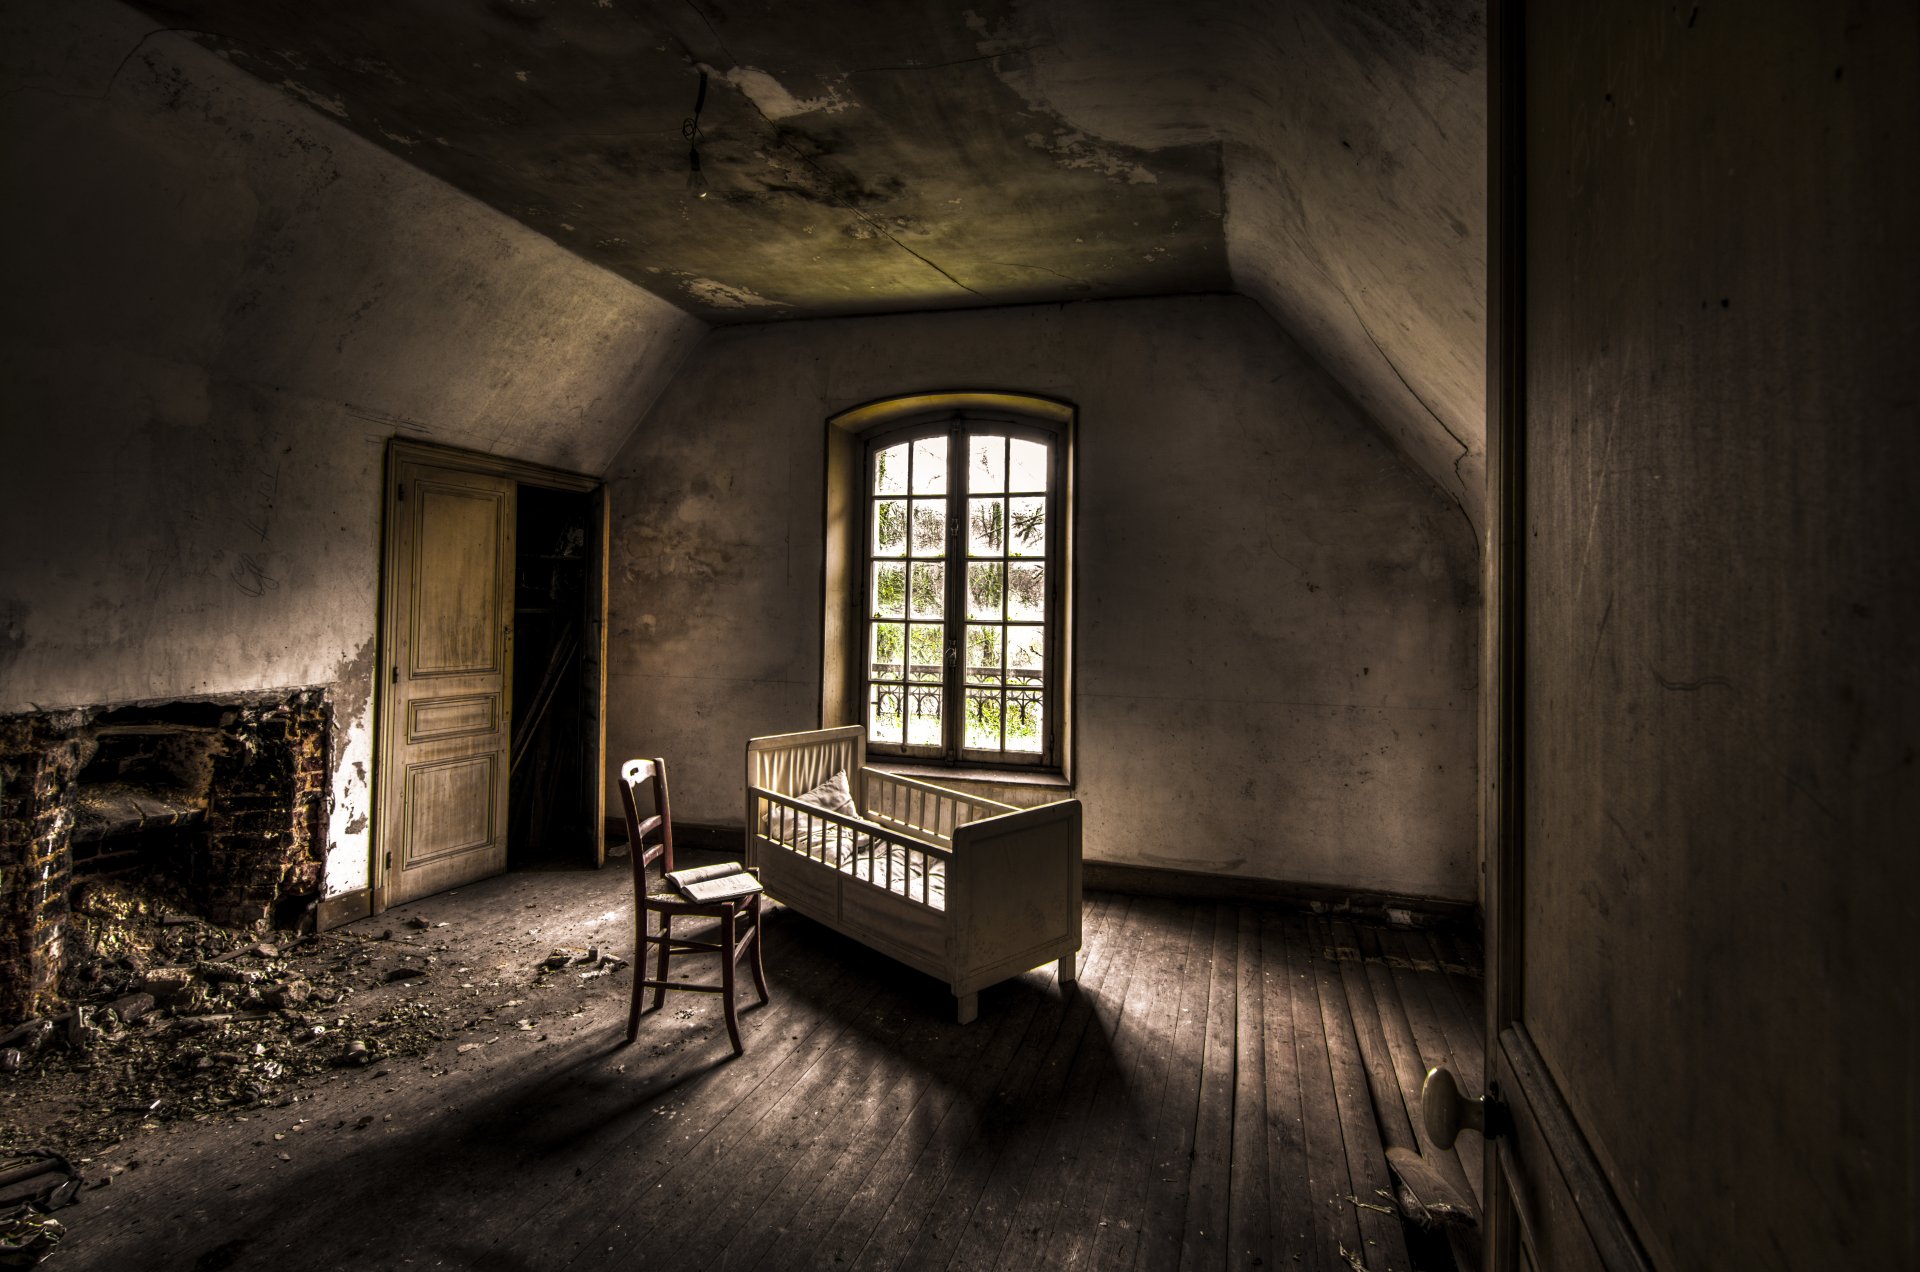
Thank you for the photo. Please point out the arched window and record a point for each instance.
(959, 585)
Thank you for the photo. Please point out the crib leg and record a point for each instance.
(1068, 973)
(969, 1007)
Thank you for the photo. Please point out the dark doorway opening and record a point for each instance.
(551, 793)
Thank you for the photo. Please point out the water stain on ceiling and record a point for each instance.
(856, 158)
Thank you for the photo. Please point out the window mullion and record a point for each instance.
(954, 622)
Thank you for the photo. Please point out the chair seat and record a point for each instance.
(679, 904)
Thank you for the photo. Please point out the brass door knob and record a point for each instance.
(1445, 1111)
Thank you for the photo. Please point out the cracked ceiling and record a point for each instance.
(1322, 156)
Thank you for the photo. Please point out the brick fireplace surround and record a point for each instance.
(256, 764)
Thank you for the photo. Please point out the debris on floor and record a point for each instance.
(167, 1017)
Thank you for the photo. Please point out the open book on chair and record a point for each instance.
(721, 882)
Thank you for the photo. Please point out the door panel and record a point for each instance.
(1549, 1206)
(1701, 887)
(450, 658)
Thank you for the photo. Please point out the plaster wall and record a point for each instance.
(219, 307)
(1722, 654)
(1277, 613)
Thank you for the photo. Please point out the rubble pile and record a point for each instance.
(169, 1017)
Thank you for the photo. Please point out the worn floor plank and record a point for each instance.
(1249, 1213)
(1116, 1139)
(1289, 1047)
(1381, 1242)
(1203, 1239)
(1072, 1091)
(1199, 1100)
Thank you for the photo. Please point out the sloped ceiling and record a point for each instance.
(1323, 156)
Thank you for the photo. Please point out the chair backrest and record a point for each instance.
(643, 785)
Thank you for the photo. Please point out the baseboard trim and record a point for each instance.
(345, 908)
(1313, 898)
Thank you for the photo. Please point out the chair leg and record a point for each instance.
(732, 942)
(666, 942)
(759, 964)
(639, 973)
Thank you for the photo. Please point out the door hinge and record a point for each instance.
(396, 674)
(389, 862)
(400, 493)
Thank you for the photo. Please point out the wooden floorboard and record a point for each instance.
(1114, 1139)
(1160, 1121)
(966, 1223)
(1209, 1179)
(1380, 1245)
(1170, 1163)
(1290, 1192)
(913, 1098)
(1211, 1094)
(1069, 1088)
(1249, 1216)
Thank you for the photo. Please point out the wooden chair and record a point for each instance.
(733, 937)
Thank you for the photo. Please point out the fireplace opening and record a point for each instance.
(206, 808)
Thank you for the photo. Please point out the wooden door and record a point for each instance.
(1701, 889)
(449, 665)
(1549, 1204)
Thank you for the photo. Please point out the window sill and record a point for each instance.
(959, 773)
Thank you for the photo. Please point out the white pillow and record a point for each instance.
(834, 795)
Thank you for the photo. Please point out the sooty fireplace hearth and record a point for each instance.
(226, 797)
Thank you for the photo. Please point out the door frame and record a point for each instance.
(400, 451)
(1543, 1149)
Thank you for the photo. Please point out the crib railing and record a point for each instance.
(922, 809)
(867, 852)
(796, 762)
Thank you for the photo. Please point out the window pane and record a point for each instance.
(929, 527)
(987, 527)
(1026, 654)
(986, 584)
(1026, 590)
(889, 589)
(1023, 712)
(883, 713)
(923, 716)
(929, 589)
(890, 527)
(1028, 523)
(983, 655)
(889, 643)
(1027, 467)
(983, 719)
(926, 652)
(890, 471)
(930, 466)
(987, 466)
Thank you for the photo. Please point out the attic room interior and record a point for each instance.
(1323, 541)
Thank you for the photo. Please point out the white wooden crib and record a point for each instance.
(963, 888)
